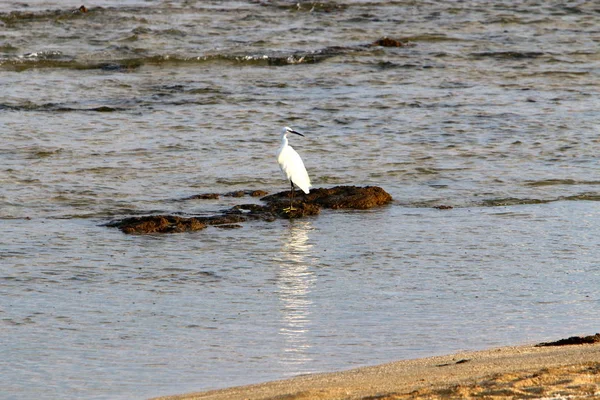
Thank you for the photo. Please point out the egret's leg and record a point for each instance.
(291, 208)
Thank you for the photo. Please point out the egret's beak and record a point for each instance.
(297, 133)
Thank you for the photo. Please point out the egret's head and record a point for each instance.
(287, 130)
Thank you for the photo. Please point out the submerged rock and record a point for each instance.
(242, 193)
(237, 193)
(388, 42)
(339, 197)
(222, 219)
(203, 196)
(228, 226)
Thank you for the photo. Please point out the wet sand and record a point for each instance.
(509, 372)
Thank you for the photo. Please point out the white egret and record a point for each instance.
(292, 166)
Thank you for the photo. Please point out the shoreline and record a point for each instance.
(526, 371)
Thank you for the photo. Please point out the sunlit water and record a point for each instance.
(128, 109)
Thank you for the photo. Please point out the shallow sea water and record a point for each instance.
(132, 107)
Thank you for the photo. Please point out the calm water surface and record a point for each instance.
(133, 106)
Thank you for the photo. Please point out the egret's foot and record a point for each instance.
(289, 209)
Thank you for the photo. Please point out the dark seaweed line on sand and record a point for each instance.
(591, 339)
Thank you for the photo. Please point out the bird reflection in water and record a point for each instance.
(295, 280)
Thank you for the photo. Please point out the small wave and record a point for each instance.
(43, 55)
(15, 17)
(385, 65)
(584, 197)
(445, 204)
(429, 37)
(8, 48)
(57, 60)
(309, 6)
(36, 58)
(53, 107)
(559, 74)
(129, 62)
(513, 201)
(508, 55)
(498, 202)
(553, 182)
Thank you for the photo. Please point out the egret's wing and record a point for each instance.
(293, 168)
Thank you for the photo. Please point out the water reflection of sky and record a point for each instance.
(295, 280)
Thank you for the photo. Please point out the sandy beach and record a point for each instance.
(529, 371)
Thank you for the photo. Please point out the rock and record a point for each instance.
(203, 196)
(387, 42)
(300, 210)
(237, 193)
(255, 211)
(339, 197)
(272, 211)
(222, 219)
(258, 193)
(346, 197)
(174, 223)
(157, 224)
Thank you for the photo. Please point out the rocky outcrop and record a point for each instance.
(275, 207)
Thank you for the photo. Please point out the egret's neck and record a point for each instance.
(284, 140)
